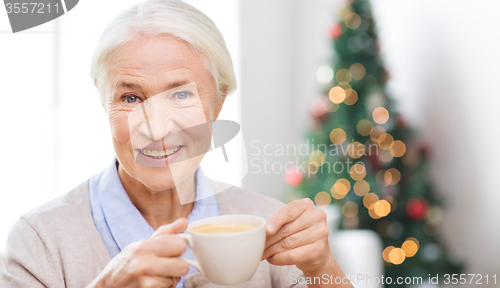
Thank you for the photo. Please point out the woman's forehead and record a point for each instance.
(155, 59)
(157, 50)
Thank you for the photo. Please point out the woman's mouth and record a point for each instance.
(160, 154)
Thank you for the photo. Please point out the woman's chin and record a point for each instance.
(159, 184)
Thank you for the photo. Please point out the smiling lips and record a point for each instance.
(160, 154)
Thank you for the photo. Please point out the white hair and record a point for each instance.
(166, 17)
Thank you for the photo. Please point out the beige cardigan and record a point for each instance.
(57, 244)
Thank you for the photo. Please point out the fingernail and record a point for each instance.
(271, 227)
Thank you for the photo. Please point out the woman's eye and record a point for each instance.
(131, 99)
(182, 95)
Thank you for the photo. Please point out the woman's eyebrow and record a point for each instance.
(177, 84)
(125, 84)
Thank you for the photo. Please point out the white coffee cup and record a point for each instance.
(227, 258)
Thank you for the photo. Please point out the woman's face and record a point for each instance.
(160, 99)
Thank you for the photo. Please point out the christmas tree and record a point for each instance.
(365, 157)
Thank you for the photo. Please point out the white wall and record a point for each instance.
(282, 44)
(444, 63)
(27, 117)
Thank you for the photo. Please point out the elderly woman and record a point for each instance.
(162, 71)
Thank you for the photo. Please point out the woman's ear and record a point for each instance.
(104, 107)
(220, 103)
(102, 99)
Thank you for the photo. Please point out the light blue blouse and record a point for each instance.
(118, 221)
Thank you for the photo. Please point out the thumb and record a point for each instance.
(178, 226)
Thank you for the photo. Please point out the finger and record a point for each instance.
(298, 255)
(176, 280)
(167, 245)
(156, 282)
(287, 214)
(293, 241)
(178, 226)
(162, 267)
(304, 221)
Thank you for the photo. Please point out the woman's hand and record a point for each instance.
(297, 234)
(152, 262)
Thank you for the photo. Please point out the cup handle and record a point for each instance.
(189, 241)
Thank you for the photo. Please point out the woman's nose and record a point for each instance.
(158, 120)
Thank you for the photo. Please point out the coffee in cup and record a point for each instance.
(227, 248)
(220, 228)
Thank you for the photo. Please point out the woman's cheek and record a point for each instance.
(207, 105)
(118, 120)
